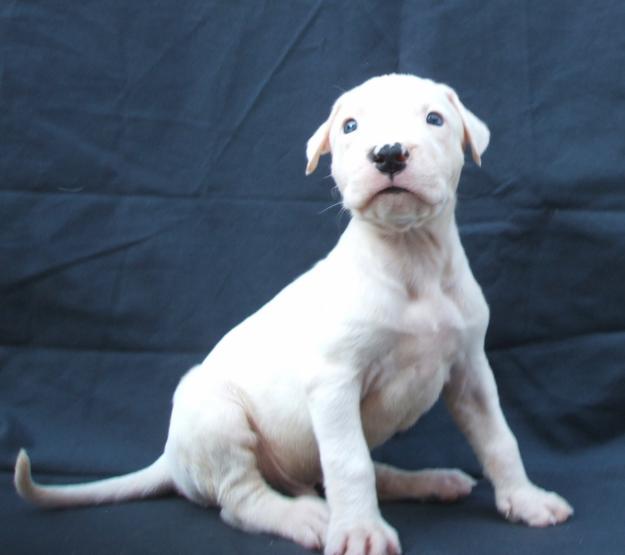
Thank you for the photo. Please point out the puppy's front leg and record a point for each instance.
(356, 526)
(472, 398)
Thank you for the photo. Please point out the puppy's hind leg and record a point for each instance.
(441, 484)
(252, 505)
(247, 501)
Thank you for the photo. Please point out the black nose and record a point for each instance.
(389, 159)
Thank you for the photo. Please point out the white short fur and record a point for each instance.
(349, 353)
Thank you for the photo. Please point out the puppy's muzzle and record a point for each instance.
(389, 159)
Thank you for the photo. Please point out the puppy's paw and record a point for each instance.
(533, 505)
(449, 484)
(307, 522)
(371, 536)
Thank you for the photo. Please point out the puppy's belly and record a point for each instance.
(402, 400)
(396, 405)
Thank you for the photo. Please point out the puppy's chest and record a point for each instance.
(424, 330)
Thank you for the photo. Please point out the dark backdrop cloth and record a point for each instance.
(153, 195)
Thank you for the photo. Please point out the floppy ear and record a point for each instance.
(319, 143)
(476, 134)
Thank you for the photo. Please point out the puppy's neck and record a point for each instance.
(426, 254)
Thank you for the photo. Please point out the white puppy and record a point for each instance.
(351, 352)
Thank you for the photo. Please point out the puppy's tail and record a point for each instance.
(148, 482)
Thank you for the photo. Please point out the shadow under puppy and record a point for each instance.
(348, 354)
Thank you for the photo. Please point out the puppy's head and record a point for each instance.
(397, 144)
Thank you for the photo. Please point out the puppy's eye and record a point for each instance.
(434, 118)
(350, 125)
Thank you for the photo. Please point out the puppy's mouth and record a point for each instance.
(429, 198)
(393, 190)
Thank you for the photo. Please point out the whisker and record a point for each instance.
(339, 216)
(340, 202)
